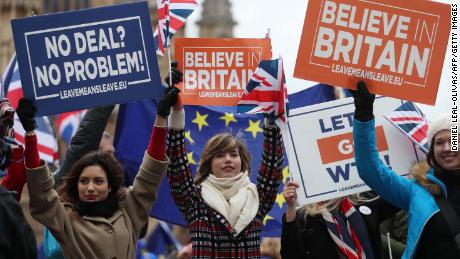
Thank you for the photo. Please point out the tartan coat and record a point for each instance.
(212, 235)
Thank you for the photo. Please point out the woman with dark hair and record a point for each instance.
(429, 234)
(93, 216)
(104, 194)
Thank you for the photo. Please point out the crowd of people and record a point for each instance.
(89, 213)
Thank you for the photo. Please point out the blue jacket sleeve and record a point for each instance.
(386, 183)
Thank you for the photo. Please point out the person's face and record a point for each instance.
(93, 184)
(226, 164)
(448, 160)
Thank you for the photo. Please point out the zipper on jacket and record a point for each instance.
(389, 246)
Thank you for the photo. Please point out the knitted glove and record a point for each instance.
(168, 100)
(364, 103)
(26, 112)
(175, 73)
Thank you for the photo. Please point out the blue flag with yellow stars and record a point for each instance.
(134, 125)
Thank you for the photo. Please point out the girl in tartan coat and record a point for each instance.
(223, 209)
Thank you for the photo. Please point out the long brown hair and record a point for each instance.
(68, 191)
(222, 142)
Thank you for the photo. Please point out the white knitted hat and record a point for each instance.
(441, 123)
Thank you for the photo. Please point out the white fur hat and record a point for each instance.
(441, 123)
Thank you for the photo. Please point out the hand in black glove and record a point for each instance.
(26, 113)
(176, 75)
(270, 119)
(168, 100)
(364, 102)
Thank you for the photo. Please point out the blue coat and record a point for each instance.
(400, 191)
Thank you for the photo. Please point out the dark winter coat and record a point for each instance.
(310, 239)
(17, 240)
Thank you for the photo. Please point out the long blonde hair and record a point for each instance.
(315, 208)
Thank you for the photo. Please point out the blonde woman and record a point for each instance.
(345, 227)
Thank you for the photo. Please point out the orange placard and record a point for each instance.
(397, 47)
(340, 147)
(216, 71)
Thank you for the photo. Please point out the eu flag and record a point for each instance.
(134, 125)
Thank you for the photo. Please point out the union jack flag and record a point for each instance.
(410, 120)
(47, 145)
(161, 33)
(67, 124)
(266, 91)
(171, 17)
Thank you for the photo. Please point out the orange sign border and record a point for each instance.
(181, 43)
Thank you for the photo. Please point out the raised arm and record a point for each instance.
(291, 231)
(390, 186)
(45, 205)
(86, 139)
(143, 193)
(155, 163)
(270, 170)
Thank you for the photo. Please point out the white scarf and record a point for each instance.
(236, 198)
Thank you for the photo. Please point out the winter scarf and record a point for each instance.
(348, 230)
(235, 198)
(104, 208)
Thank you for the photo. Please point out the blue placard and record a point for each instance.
(93, 57)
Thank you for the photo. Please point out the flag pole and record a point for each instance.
(170, 70)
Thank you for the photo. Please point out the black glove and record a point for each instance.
(168, 100)
(364, 102)
(26, 113)
(176, 75)
(270, 118)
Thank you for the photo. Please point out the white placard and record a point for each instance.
(320, 148)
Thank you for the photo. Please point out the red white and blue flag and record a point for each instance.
(171, 17)
(266, 91)
(47, 145)
(161, 33)
(410, 120)
(67, 124)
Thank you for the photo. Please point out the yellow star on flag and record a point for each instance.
(190, 158)
(267, 218)
(200, 120)
(189, 137)
(280, 200)
(254, 128)
(228, 117)
(285, 174)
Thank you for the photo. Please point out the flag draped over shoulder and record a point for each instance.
(67, 124)
(266, 91)
(134, 125)
(171, 17)
(410, 120)
(47, 145)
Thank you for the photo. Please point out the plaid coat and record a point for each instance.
(212, 235)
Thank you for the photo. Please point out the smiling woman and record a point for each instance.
(223, 209)
(434, 183)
